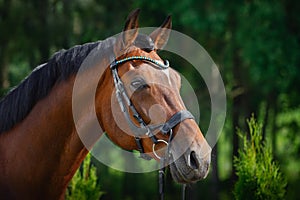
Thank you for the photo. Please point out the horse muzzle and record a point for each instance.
(192, 166)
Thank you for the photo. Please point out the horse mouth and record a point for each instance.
(187, 170)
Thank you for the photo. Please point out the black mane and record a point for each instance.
(16, 105)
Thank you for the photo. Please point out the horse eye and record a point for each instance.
(138, 83)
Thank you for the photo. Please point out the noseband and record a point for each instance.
(144, 129)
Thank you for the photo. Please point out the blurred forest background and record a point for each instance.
(254, 43)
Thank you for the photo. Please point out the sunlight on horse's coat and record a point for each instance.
(167, 73)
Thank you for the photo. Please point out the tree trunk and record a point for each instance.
(4, 82)
(235, 140)
(215, 174)
(68, 23)
(238, 90)
(4, 41)
(44, 31)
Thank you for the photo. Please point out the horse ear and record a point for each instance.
(161, 35)
(130, 30)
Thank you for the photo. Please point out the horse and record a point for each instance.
(40, 147)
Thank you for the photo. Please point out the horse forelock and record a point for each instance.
(144, 42)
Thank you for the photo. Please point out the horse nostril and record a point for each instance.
(193, 162)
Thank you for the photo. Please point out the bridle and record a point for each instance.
(144, 129)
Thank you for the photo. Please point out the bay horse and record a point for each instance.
(40, 148)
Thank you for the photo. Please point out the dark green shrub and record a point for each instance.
(83, 185)
(259, 177)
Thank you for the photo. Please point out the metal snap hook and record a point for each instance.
(153, 147)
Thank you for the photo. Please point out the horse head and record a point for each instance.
(144, 110)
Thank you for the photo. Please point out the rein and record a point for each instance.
(144, 129)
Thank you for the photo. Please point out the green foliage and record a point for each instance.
(259, 176)
(83, 185)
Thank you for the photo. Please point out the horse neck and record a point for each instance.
(43, 151)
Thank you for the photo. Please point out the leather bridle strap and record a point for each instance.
(176, 119)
